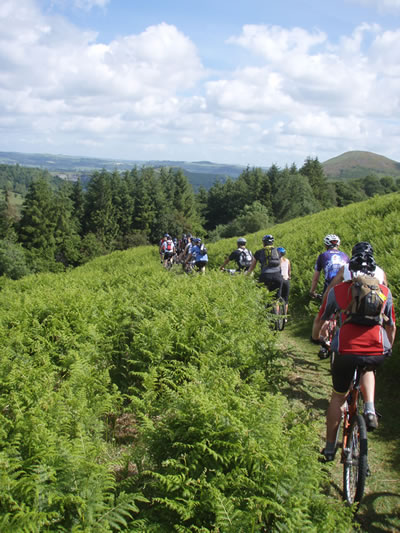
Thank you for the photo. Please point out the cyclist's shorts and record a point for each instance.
(168, 255)
(344, 366)
(273, 283)
(285, 290)
(200, 264)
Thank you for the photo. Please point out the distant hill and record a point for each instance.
(199, 173)
(358, 164)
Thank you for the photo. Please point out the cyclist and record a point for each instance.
(330, 262)
(345, 273)
(167, 250)
(286, 271)
(270, 261)
(199, 254)
(242, 256)
(355, 345)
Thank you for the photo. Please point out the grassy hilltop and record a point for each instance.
(134, 399)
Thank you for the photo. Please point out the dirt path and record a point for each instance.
(310, 384)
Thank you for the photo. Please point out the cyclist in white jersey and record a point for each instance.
(345, 274)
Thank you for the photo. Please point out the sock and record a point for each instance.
(329, 447)
(369, 407)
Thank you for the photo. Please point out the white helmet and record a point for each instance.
(331, 240)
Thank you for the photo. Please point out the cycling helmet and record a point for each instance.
(281, 250)
(166, 235)
(331, 240)
(197, 240)
(362, 262)
(241, 240)
(362, 247)
(268, 239)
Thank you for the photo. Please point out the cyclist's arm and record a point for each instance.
(334, 281)
(289, 270)
(390, 332)
(224, 263)
(328, 307)
(314, 282)
(252, 267)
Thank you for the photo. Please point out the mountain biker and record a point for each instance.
(242, 256)
(199, 254)
(270, 261)
(354, 344)
(330, 262)
(286, 271)
(345, 273)
(167, 249)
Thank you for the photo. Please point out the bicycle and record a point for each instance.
(279, 309)
(354, 454)
(326, 350)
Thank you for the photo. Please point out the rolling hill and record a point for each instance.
(358, 164)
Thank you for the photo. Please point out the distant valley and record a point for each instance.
(352, 164)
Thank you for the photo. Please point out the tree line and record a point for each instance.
(64, 224)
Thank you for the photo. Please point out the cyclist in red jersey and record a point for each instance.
(355, 345)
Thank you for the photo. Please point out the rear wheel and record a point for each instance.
(356, 461)
(279, 311)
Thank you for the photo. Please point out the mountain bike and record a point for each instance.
(331, 327)
(279, 310)
(354, 444)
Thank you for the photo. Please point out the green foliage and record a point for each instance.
(192, 363)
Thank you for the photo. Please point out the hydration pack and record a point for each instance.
(367, 302)
(169, 246)
(245, 258)
(203, 249)
(273, 261)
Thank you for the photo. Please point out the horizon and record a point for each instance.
(254, 84)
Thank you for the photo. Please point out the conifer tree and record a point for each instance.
(37, 225)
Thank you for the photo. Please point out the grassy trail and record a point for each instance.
(310, 383)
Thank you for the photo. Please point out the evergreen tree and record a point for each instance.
(37, 225)
(66, 228)
(314, 172)
(100, 213)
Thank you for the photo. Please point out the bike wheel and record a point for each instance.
(279, 311)
(356, 461)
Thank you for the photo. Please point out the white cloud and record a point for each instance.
(298, 94)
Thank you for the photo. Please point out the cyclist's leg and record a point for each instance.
(285, 293)
(342, 374)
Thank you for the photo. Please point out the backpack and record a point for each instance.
(203, 249)
(367, 302)
(169, 246)
(245, 258)
(273, 261)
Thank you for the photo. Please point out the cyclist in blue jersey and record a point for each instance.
(330, 261)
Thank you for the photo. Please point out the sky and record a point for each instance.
(251, 83)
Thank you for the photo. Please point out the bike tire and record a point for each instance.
(279, 311)
(355, 468)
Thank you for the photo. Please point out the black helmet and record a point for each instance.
(241, 240)
(361, 248)
(268, 239)
(362, 262)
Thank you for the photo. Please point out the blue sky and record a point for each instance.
(252, 83)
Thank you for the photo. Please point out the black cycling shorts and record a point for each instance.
(273, 283)
(344, 366)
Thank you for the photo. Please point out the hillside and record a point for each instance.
(358, 164)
